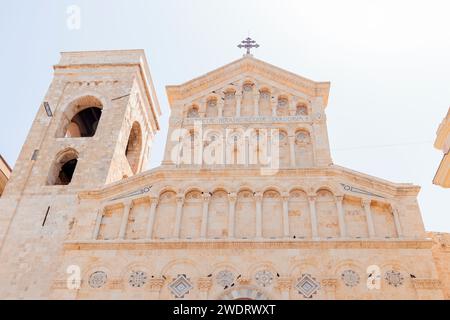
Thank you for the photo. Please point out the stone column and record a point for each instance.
(398, 226)
(284, 286)
(341, 216)
(98, 223)
(329, 286)
(285, 198)
(204, 285)
(292, 150)
(273, 104)
(202, 108)
(224, 147)
(179, 213)
(232, 197)
(256, 103)
(238, 97)
(124, 222)
(312, 210)
(258, 199)
(292, 107)
(151, 217)
(366, 205)
(155, 285)
(220, 104)
(204, 226)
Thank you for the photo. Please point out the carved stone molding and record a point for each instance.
(116, 284)
(427, 284)
(329, 283)
(284, 283)
(60, 284)
(246, 244)
(244, 281)
(155, 284)
(204, 284)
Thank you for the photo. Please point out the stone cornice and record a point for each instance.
(245, 244)
(385, 188)
(249, 65)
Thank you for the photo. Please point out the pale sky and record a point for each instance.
(388, 63)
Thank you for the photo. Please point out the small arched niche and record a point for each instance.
(301, 109)
(63, 168)
(134, 147)
(81, 118)
(193, 112)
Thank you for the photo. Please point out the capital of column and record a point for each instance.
(154, 199)
(180, 199)
(258, 196)
(312, 198)
(365, 202)
(232, 196)
(285, 196)
(128, 203)
(339, 198)
(206, 196)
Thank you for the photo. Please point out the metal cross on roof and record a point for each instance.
(248, 43)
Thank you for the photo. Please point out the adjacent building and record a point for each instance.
(442, 177)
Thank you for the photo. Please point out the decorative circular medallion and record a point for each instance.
(394, 278)
(264, 278)
(225, 278)
(350, 278)
(98, 279)
(137, 279)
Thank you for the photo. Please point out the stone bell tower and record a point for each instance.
(94, 127)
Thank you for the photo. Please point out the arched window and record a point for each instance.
(211, 107)
(193, 112)
(81, 118)
(247, 102)
(301, 110)
(303, 149)
(284, 151)
(282, 106)
(229, 108)
(63, 168)
(84, 123)
(134, 147)
(265, 108)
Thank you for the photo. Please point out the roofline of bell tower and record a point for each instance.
(115, 58)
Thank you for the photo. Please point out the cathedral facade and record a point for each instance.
(247, 203)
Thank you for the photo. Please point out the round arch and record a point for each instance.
(244, 293)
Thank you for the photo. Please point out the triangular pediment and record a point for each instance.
(249, 66)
